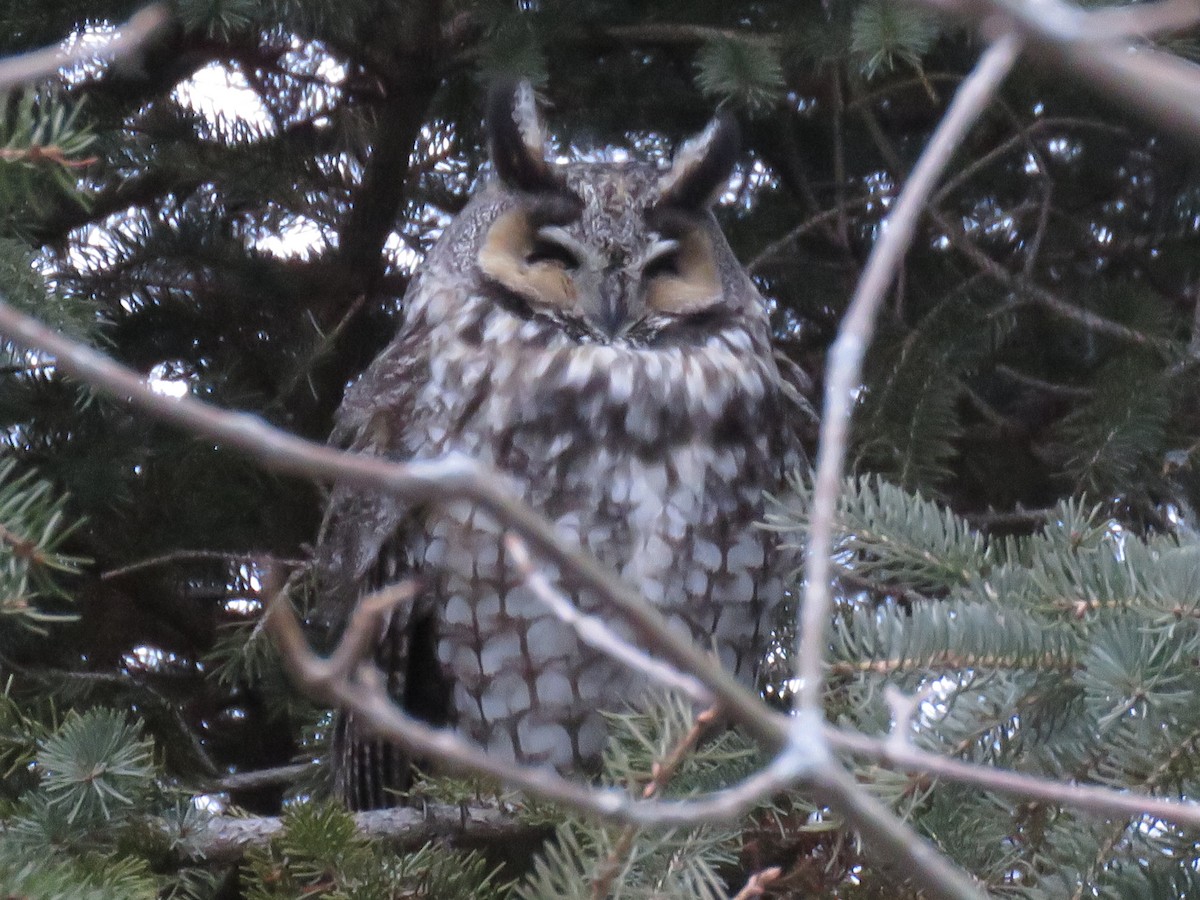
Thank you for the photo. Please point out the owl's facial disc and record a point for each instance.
(605, 264)
(607, 292)
(679, 275)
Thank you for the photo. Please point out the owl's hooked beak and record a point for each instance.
(608, 308)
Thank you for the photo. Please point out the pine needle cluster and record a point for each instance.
(1068, 653)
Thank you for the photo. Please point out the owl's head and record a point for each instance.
(611, 252)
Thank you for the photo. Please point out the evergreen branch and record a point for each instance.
(146, 693)
(1117, 830)
(128, 38)
(887, 536)
(950, 661)
(846, 356)
(660, 775)
(225, 839)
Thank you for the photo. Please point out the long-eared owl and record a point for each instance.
(585, 329)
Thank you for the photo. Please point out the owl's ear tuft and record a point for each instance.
(701, 167)
(518, 149)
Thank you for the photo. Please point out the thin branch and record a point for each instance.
(192, 556)
(1055, 389)
(1104, 51)
(759, 883)
(1193, 348)
(260, 778)
(846, 356)
(1096, 800)
(687, 33)
(225, 839)
(1037, 294)
(594, 632)
(803, 762)
(47, 62)
(803, 759)
(777, 246)
(1047, 300)
(359, 687)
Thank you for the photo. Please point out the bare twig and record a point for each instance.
(1047, 300)
(261, 778)
(39, 64)
(1096, 800)
(846, 356)
(1141, 20)
(802, 760)
(191, 556)
(776, 247)
(359, 687)
(758, 883)
(1054, 388)
(594, 632)
(1022, 286)
(687, 33)
(1104, 51)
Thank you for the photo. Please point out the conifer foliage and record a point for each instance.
(234, 210)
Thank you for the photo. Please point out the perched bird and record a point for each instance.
(585, 329)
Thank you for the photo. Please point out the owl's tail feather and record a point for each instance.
(369, 773)
(372, 773)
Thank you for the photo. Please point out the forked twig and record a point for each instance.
(594, 632)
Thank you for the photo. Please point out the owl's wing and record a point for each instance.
(797, 387)
(363, 546)
(374, 418)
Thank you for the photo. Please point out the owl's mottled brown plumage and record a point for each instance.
(586, 330)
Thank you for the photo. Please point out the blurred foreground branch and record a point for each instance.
(41, 64)
(1106, 50)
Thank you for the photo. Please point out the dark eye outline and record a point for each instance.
(665, 264)
(545, 250)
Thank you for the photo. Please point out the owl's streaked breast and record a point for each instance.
(586, 330)
(655, 460)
